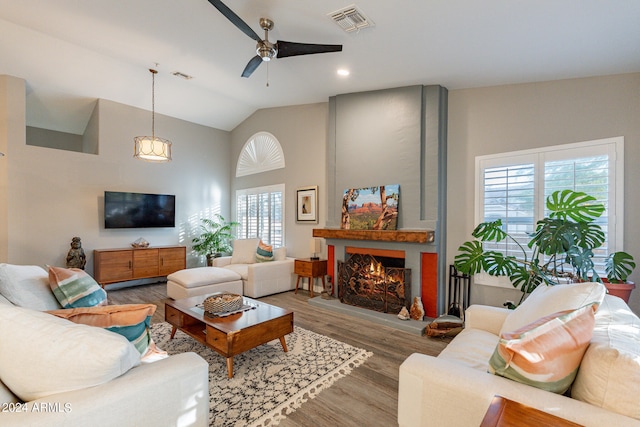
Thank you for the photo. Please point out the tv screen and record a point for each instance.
(136, 210)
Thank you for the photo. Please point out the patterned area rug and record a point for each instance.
(267, 384)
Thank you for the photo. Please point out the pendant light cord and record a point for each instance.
(153, 103)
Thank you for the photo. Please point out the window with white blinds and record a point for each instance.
(260, 213)
(513, 187)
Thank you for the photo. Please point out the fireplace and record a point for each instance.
(374, 279)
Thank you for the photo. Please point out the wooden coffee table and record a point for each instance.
(504, 413)
(233, 334)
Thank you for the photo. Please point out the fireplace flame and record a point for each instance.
(376, 269)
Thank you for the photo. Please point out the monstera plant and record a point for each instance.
(560, 250)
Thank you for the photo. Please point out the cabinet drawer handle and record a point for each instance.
(129, 265)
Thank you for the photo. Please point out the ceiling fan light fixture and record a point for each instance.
(151, 148)
(266, 50)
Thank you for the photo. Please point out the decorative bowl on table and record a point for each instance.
(140, 243)
(223, 302)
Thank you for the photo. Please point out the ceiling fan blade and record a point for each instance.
(294, 49)
(251, 66)
(235, 19)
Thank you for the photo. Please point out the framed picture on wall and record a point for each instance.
(307, 204)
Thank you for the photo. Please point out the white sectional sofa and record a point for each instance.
(259, 278)
(54, 358)
(456, 389)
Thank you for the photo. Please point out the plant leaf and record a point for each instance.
(619, 266)
(496, 264)
(525, 279)
(554, 236)
(490, 231)
(574, 205)
(590, 235)
(469, 258)
(582, 260)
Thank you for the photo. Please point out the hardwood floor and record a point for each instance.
(368, 396)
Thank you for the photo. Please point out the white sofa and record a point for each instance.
(259, 278)
(455, 388)
(169, 392)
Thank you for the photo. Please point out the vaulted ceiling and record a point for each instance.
(71, 52)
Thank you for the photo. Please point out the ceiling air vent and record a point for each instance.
(182, 75)
(350, 19)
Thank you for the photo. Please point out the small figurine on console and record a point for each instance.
(76, 257)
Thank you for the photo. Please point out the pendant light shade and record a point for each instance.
(151, 148)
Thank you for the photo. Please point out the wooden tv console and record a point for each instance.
(120, 265)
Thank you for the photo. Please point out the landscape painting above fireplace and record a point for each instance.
(371, 208)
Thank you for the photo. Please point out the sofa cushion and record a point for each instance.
(280, 254)
(202, 276)
(244, 251)
(609, 376)
(132, 321)
(6, 396)
(546, 353)
(240, 269)
(546, 300)
(264, 252)
(73, 287)
(27, 286)
(471, 348)
(42, 355)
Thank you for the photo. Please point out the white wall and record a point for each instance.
(515, 117)
(302, 133)
(53, 195)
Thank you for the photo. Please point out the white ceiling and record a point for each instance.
(71, 52)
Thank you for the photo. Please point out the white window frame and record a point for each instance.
(613, 147)
(261, 190)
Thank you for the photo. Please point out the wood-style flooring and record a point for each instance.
(368, 396)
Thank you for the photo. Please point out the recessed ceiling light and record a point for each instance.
(343, 72)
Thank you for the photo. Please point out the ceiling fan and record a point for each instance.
(265, 50)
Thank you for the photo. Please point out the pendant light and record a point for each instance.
(151, 148)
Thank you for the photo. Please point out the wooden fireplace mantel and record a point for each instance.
(406, 236)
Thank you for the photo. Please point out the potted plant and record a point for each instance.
(215, 237)
(560, 250)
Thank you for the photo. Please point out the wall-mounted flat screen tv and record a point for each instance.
(136, 210)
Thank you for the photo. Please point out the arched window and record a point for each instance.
(261, 153)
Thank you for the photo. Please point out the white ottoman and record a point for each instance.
(202, 281)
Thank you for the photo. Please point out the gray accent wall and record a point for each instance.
(392, 136)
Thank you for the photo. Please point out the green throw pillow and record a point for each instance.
(73, 288)
(264, 252)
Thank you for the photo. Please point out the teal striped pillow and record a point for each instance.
(132, 321)
(73, 288)
(137, 334)
(264, 253)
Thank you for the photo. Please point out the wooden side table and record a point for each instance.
(311, 269)
(504, 412)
